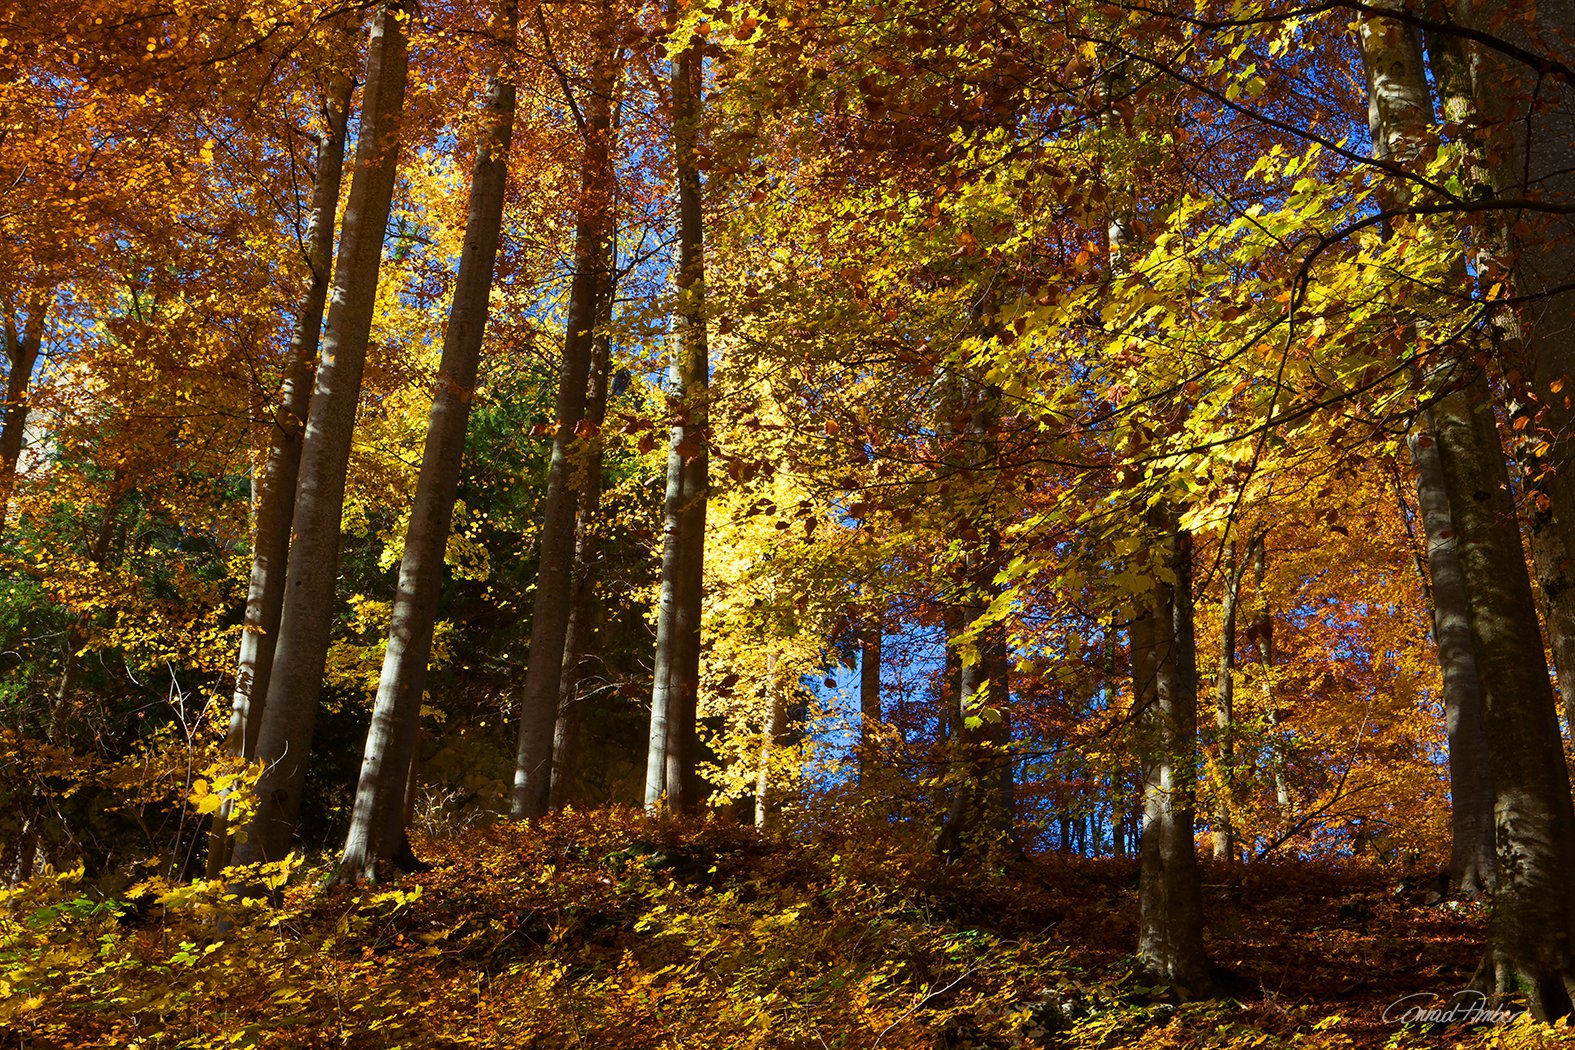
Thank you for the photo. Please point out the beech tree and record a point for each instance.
(377, 825)
(290, 711)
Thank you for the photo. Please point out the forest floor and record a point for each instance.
(606, 931)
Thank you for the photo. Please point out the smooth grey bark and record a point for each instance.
(377, 823)
(1400, 118)
(306, 620)
(1531, 933)
(273, 484)
(583, 611)
(1165, 677)
(22, 348)
(871, 636)
(772, 736)
(1224, 835)
(555, 575)
(1470, 777)
(672, 754)
(1525, 121)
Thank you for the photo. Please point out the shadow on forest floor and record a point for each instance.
(605, 930)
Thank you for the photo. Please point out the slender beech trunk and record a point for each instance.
(306, 619)
(1224, 837)
(985, 798)
(1400, 117)
(767, 803)
(587, 520)
(1165, 673)
(377, 824)
(671, 771)
(1262, 631)
(870, 639)
(22, 348)
(555, 576)
(273, 483)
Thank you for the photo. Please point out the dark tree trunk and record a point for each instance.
(577, 644)
(22, 349)
(306, 619)
(870, 638)
(1165, 674)
(671, 770)
(273, 494)
(1470, 778)
(555, 577)
(377, 823)
(1224, 837)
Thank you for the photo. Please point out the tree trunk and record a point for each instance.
(1224, 837)
(555, 576)
(377, 824)
(1170, 887)
(22, 348)
(1400, 117)
(1470, 779)
(1262, 633)
(1526, 123)
(587, 520)
(1531, 934)
(273, 495)
(671, 769)
(306, 619)
(767, 804)
(870, 639)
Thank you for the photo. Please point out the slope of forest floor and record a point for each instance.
(605, 930)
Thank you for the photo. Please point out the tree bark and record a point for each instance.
(671, 770)
(870, 639)
(1531, 934)
(767, 803)
(1470, 778)
(1170, 886)
(306, 619)
(377, 823)
(1400, 117)
(1224, 834)
(273, 496)
(587, 520)
(22, 348)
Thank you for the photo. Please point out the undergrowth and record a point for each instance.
(606, 930)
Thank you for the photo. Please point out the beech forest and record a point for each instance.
(779, 524)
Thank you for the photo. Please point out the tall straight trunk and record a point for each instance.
(377, 823)
(985, 798)
(1165, 673)
(1224, 837)
(1470, 777)
(1531, 934)
(767, 803)
(306, 619)
(672, 756)
(1526, 121)
(555, 551)
(273, 488)
(870, 639)
(587, 521)
(22, 349)
(1400, 117)
(1262, 632)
